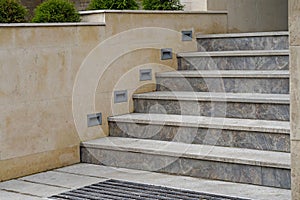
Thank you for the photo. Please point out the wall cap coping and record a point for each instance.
(238, 35)
(12, 25)
(89, 12)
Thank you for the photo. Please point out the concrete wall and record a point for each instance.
(253, 15)
(294, 27)
(217, 4)
(194, 5)
(53, 75)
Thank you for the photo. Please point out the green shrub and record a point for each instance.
(113, 5)
(11, 11)
(56, 11)
(162, 5)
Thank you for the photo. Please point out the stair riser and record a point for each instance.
(214, 109)
(234, 63)
(247, 43)
(233, 85)
(184, 166)
(191, 135)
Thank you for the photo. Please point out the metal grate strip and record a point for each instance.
(115, 190)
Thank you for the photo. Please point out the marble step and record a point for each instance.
(231, 105)
(243, 41)
(203, 161)
(228, 132)
(234, 60)
(229, 81)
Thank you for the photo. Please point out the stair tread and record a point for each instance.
(215, 96)
(226, 73)
(194, 151)
(239, 35)
(235, 53)
(268, 126)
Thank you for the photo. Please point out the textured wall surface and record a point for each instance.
(253, 15)
(37, 71)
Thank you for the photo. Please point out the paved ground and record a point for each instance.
(43, 185)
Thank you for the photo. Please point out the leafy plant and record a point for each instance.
(162, 5)
(56, 11)
(11, 11)
(113, 5)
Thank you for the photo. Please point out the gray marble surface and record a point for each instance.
(234, 63)
(190, 167)
(224, 84)
(243, 43)
(280, 160)
(216, 96)
(215, 109)
(215, 137)
(235, 124)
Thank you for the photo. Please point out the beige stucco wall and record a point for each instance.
(294, 27)
(200, 22)
(52, 76)
(37, 71)
(253, 15)
(217, 4)
(194, 5)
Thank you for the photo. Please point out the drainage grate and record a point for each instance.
(114, 189)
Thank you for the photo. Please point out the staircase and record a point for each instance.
(224, 115)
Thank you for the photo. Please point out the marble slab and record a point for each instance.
(224, 84)
(201, 168)
(266, 126)
(234, 63)
(60, 179)
(243, 42)
(214, 108)
(33, 189)
(189, 135)
(10, 195)
(252, 157)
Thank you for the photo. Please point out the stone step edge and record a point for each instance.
(224, 74)
(242, 35)
(192, 151)
(216, 97)
(251, 53)
(266, 126)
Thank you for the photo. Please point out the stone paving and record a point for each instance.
(43, 185)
